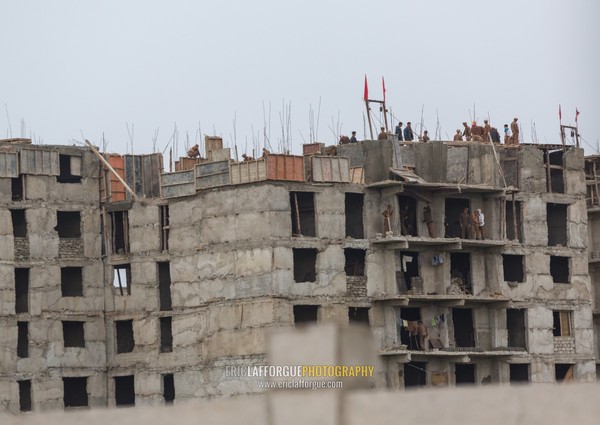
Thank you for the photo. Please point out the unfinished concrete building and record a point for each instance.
(136, 286)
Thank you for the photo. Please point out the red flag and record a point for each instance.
(559, 113)
(576, 114)
(366, 95)
(383, 83)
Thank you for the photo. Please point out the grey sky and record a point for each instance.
(72, 67)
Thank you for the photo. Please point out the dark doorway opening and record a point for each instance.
(464, 374)
(460, 268)
(563, 372)
(554, 166)
(355, 262)
(561, 323)
(305, 264)
(67, 173)
(452, 210)
(557, 224)
(407, 324)
(125, 340)
(25, 395)
(409, 269)
(464, 333)
(559, 269)
(71, 281)
(407, 215)
(68, 224)
(519, 372)
(21, 290)
(168, 388)
(124, 390)
(19, 223)
(164, 221)
(164, 285)
(358, 315)
(166, 335)
(515, 324)
(304, 314)
(16, 189)
(354, 215)
(119, 221)
(415, 374)
(22, 339)
(514, 226)
(75, 392)
(303, 214)
(513, 268)
(122, 278)
(73, 334)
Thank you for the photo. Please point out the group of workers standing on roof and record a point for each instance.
(474, 133)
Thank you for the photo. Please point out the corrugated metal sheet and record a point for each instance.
(248, 171)
(219, 155)
(39, 162)
(213, 143)
(285, 167)
(357, 175)
(407, 175)
(312, 148)
(212, 174)
(142, 174)
(9, 165)
(180, 183)
(330, 169)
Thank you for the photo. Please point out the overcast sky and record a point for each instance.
(73, 68)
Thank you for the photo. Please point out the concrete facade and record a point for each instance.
(205, 278)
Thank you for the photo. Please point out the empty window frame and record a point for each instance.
(16, 188)
(71, 281)
(75, 392)
(119, 225)
(124, 390)
(168, 388)
(305, 264)
(124, 333)
(409, 269)
(303, 214)
(464, 331)
(164, 285)
(559, 269)
(561, 323)
(19, 223)
(68, 224)
(515, 324)
(122, 279)
(166, 335)
(464, 374)
(553, 162)
(354, 203)
(407, 215)
(73, 334)
(556, 217)
(453, 208)
(304, 314)
(21, 290)
(69, 169)
(518, 372)
(460, 268)
(513, 268)
(164, 223)
(563, 372)
(358, 315)
(514, 222)
(24, 395)
(415, 374)
(355, 262)
(22, 339)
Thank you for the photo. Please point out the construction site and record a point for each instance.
(124, 284)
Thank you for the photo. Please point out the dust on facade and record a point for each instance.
(130, 285)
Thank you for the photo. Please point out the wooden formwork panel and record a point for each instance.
(212, 174)
(179, 183)
(9, 164)
(330, 169)
(39, 161)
